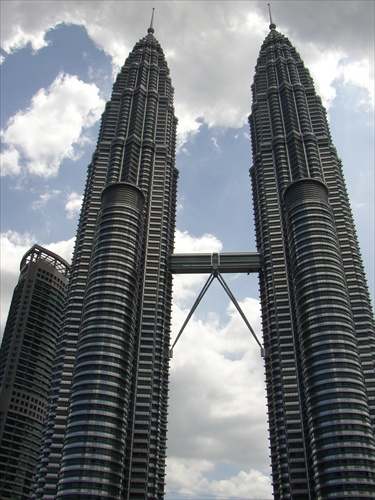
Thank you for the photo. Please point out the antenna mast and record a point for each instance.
(272, 24)
(151, 28)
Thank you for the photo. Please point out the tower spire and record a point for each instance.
(151, 28)
(272, 24)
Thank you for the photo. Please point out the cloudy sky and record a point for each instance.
(59, 60)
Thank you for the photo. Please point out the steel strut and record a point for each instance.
(236, 304)
(196, 303)
(215, 274)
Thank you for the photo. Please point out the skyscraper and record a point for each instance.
(117, 323)
(26, 362)
(317, 321)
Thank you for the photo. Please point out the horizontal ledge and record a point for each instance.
(199, 263)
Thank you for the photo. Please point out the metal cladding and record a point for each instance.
(106, 430)
(317, 321)
(26, 364)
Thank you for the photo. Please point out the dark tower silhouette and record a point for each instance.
(26, 362)
(317, 321)
(106, 433)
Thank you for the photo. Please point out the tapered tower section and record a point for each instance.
(317, 320)
(106, 431)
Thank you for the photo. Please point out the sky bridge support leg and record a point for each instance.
(237, 306)
(196, 303)
(215, 274)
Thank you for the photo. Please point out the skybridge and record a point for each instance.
(215, 264)
(196, 263)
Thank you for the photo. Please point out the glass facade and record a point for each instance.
(26, 364)
(317, 320)
(106, 431)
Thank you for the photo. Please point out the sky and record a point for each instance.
(59, 61)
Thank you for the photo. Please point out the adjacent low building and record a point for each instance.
(26, 361)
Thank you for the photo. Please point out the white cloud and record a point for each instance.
(43, 199)
(187, 243)
(16, 38)
(188, 479)
(215, 143)
(188, 124)
(52, 128)
(334, 67)
(325, 70)
(359, 73)
(28, 22)
(252, 485)
(13, 247)
(73, 204)
(10, 161)
(62, 248)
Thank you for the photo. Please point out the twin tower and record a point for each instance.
(107, 419)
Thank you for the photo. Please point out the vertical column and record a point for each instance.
(94, 446)
(337, 407)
